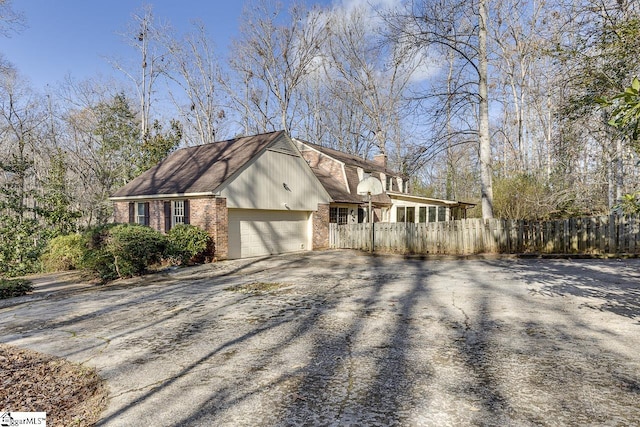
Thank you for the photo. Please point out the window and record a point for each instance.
(422, 214)
(442, 213)
(338, 215)
(432, 214)
(389, 183)
(139, 213)
(405, 186)
(177, 214)
(142, 213)
(411, 214)
(406, 214)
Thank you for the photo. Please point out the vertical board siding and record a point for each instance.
(592, 236)
(275, 181)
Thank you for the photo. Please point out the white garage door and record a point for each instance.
(254, 232)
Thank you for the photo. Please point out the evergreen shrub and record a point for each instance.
(122, 250)
(188, 243)
(64, 253)
(14, 288)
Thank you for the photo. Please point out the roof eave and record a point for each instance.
(164, 196)
(427, 199)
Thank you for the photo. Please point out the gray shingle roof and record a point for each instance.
(200, 169)
(335, 188)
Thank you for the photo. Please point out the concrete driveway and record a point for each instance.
(342, 338)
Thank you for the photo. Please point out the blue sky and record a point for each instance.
(73, 37)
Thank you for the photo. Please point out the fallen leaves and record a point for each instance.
(69, 393)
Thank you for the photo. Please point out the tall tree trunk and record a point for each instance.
(619, 170)
(483, 109)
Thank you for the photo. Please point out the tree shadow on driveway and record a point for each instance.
(606, 285)
(342, 338)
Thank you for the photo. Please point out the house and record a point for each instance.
(340, 174)
(267, 194)
(254, 195)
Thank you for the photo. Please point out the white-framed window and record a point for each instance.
(406, 214)
(401, 214)
(422, 214)
(177, 212)
(442, 213)
(142, 213)
(411, 214)
(432, 213)
(338, 215)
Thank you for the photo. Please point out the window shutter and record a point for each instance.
(146, 214)
(187, 212)
(132, 212)
(167, 216)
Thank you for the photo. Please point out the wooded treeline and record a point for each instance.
(507, 103)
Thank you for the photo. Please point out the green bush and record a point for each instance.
(14, 288)
(63, 253)
(21, 243)
(96, 237)
(122, 250)
(134, 248)
(187, 242)
(96, 259)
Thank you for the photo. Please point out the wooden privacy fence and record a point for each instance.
(597, 235)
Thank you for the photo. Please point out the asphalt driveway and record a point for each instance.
(342, 338)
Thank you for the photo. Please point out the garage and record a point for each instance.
(257, 232)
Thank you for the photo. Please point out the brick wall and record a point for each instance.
(156, 214)
(210, 214)
(121, 212)
(202, 214)
(321, 227)
(222, 225)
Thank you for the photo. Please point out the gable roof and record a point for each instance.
(350, 159)
(200, 169)
(350, 164)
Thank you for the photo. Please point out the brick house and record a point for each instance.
(267, 194)
(254, 195)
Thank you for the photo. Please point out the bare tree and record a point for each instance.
(145, 36)
(196, 72)
(370, 79)
(20, 119)
(440, 26)
(10, 20)
(274, 55)
(595, 58)
(101, 140)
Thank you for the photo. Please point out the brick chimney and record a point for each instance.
(380, 159)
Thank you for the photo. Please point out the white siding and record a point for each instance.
(276, 181)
